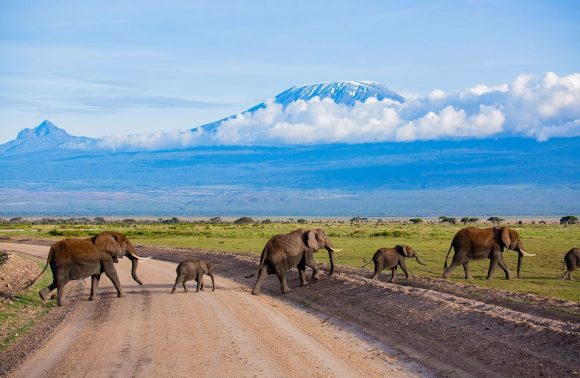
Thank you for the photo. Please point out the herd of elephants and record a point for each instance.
(73, 259)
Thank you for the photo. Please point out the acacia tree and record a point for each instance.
(569, 219)
(416, 220)
(495, 220)
(449, 220)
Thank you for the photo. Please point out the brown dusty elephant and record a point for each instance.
(193, 270)
(475, 244)
(572, 261)
(282, 252)
(73, 259)
(391, 258)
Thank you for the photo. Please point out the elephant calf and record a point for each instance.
(193, 270)
(391, 258)
(572, 260)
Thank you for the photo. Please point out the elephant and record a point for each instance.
(193, 270)
(73, 259)
(572, 260)
(391, 258)
(284, 251)
(475, 244)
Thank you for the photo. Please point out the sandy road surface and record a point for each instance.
(223, 333)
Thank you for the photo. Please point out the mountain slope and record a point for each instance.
(44, 137)
(341, 92)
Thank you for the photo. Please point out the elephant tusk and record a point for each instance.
(140, 258)
(527, 254)
(337, 250)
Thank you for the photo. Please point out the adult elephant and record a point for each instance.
(73, 259)
(282, 252)
(475, 244)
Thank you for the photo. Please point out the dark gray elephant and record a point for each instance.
(282, 252)
(476, 244)
(572, 261)
(73, 259)
(391, 258)
(193, 270)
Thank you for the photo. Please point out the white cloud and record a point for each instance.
(539, 108)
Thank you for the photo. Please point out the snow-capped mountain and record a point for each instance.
(341, 92)
(45, 136)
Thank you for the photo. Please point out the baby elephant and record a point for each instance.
(193, 270)
(391, 258)
(572, 261)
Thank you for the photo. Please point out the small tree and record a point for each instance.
(466, 220)
(99, 220)
(569, 219)
(301, 221)
(267, 221)
(416, 220)
(495, 220)
(215, 220)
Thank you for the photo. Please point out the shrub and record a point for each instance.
(416, 220)
(244, 220)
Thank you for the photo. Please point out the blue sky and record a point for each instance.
(120, 67)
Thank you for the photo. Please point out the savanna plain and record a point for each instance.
(533, 319)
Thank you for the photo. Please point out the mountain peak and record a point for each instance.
(44, 137)
(45, 129)
(341, 92)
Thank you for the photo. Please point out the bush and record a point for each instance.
(416, 220)
(447, 220)
(244, 220)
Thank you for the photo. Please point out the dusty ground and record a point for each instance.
(345, 325)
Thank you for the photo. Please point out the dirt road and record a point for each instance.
(223, 333)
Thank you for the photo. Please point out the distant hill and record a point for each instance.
(44, 137)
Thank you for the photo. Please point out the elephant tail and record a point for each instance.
(262, 260)
(367, 263)
(43, 270)
(446, 257)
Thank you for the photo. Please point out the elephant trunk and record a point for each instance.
(212, 282)
(520, 257)
(331, 258)
(134, 262)
(419, 261)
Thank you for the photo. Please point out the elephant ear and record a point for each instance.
(402, 250)
(311, 240)
(505, 236)
(108, 243)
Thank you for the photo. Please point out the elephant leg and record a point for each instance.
(281, 273)
(111, 272)
(454, 263)
(200, 278)
(198, 281)
(378, 269)
(94, 286)
(60, 292)
(502, 265)
(262, 274)
(185, 287)
(404, 268)
(468, 275)
(393, 274)
(302, 272)
(180, 279)
(44, 293)
(492, 264)
(309, 258)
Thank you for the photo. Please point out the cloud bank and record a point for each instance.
(540, 108)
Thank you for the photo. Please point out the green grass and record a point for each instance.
(540, 274)
(28, 302)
